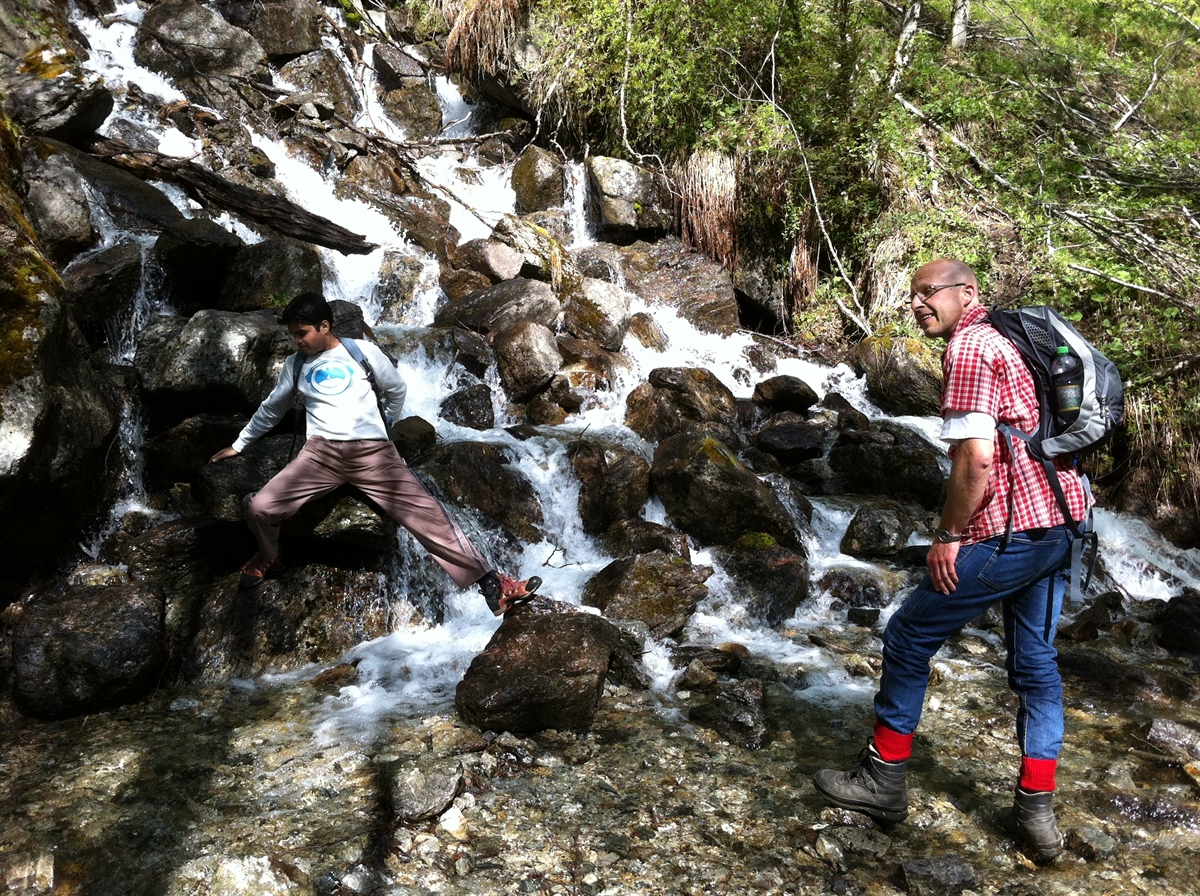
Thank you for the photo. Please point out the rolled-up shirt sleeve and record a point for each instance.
(958, 426)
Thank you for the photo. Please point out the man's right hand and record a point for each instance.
(223, 454)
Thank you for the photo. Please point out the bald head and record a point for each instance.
(941, 291)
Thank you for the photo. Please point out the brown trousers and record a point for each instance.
(375, 468)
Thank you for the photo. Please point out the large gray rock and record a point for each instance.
(88, 649)
(425, 220)
(1181, 624)
(400, 275)
(904, 375)
(713, 496)
(419, 793)
(537, 180)
(598, 311)
(893, 461)
(736, 712)
(631, 198)
(771, 580)
(415, 107)
(665, 273)
(59, 100)
(502, 306)
(102, 284)
(544, 668)
(200, 52)
(528, 357)
(394, 67)
(281, 27)
(221, 356)
(181, 452)
(270, 273)
(196, 255)
(470, 407)
(322, 79)
(659, 589)
(681, 399)
(627, 537)
(877, 531)
(495, 260)
(482, 477)
(58, 206)
(784, 393)
(614, 483)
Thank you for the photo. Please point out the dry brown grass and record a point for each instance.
(709, 206)
(487, 35)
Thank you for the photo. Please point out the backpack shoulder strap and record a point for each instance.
(357, 354)
(298, 360)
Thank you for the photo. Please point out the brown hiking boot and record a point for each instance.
(256, 569)
(502, 592)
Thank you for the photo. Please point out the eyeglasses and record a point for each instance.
(928, 292)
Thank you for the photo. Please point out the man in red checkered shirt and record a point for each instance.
(970, 567)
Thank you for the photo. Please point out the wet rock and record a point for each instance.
(495, 260)
(855, 841)
(88, 649)
(419, 794)
(598, 311)
(588, 366)
(1176, 739)
(415, 108)
(1096, 617)
(196, 255)
(904, 375)
(179, 453)
(792, 441)
(102, 284)
(723, 659)
(55, 97)
(944, 875)
(544, 668)
(877, 531)
(425, 220)
(414, 438)
(394, 66)
(1101, 674)
(631, 199)
(537, 180)
(133, 204)
(216, 357)
(712, 496)
(855, 586)
(627, 537)
(614, 483)
(1181, 624)
(502, 306)
(864, 616)
(1090, 843)
(58, 206)
(200, 52)
(464, 347)
(664, 273)
(281, 27)
(848, 416)
(528, 358)
(770, 579)
(306, 614)
(399, 277)
(682, 399)
(697, 676)
(645, 330)
(320, 76)
(785, 393)
(270, 274)
(894, 461)
(737, 714)
(660, 589)
(544, 251)
(470, 407)
(482, 477)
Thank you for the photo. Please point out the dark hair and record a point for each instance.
(307, 308)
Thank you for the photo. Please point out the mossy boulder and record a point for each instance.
(659, 589)
(904, 374)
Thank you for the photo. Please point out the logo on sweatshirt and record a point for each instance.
(329, 377)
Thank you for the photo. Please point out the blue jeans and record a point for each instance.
(1029, 577)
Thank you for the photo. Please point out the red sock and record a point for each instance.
(1037, 775)
(892, 746)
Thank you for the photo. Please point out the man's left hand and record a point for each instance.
(940, 562)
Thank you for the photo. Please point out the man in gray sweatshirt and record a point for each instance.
(348, 442)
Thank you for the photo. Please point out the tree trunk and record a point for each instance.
(904, 43)
(958, 23)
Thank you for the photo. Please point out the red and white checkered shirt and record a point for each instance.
(983, 372)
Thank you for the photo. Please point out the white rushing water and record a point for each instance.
(417, 666)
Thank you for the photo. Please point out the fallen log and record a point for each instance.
(213, 191)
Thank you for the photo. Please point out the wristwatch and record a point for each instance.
(944, 537)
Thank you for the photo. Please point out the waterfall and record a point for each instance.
(415, 668)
